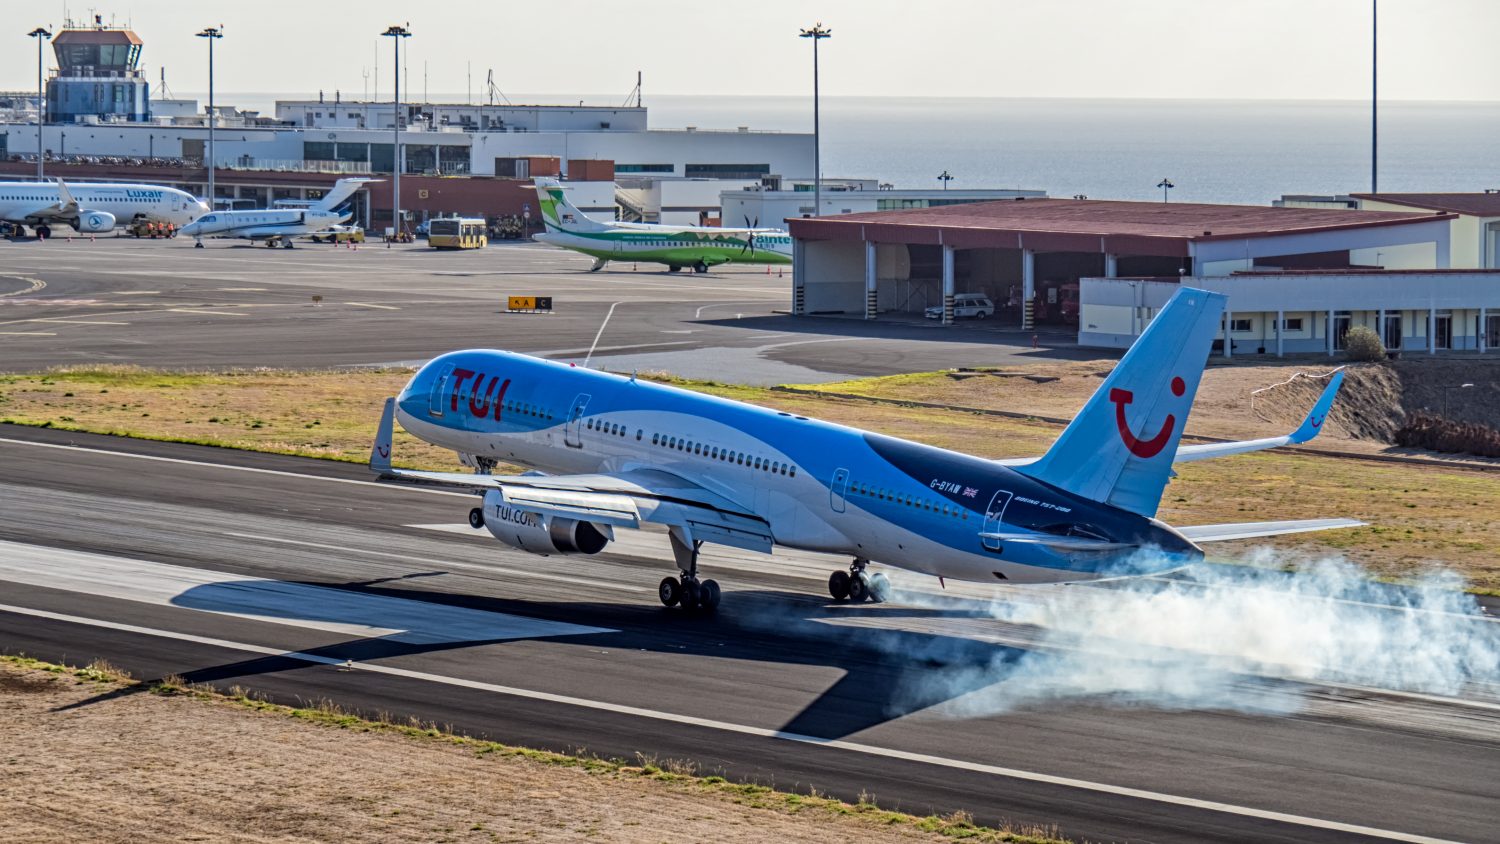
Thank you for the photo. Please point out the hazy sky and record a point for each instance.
(1257, 49)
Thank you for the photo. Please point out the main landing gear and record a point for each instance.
(858, 585)
(689, 592)
(700, 267)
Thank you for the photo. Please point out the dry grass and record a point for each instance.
(1420, 516)
(233, 767)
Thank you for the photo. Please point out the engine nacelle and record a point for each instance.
(532, 532)
(94, 222)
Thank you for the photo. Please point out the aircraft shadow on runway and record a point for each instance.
(888, 673)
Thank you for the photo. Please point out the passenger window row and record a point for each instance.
(883, 494)
(527, 409)
(713, 452)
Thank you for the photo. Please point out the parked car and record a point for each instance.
(976, 305)
(339, 234)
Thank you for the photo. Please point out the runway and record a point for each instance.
(164, 303)
(303, 579)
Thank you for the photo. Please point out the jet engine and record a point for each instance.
(94, 222)
(538, 534)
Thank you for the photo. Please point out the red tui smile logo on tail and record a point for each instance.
(1143, 448)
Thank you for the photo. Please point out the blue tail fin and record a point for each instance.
(1119, 448)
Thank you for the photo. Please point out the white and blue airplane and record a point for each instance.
(618, 452)
(93, 207)
(278, 225)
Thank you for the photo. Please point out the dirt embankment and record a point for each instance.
(98, 761)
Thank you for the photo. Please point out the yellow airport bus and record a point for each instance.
(457, 233)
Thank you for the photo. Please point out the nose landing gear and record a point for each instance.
(689, 592)
(858, 585)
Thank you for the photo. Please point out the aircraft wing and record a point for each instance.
(623, 499)
(1311, 425)
(1252, 530)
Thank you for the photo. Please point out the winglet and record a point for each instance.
(65, 196)
(1319, 413)
(380, 452)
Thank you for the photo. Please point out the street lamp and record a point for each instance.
(817, 33)
(40, 34)
(945, 177)
(396, 33)
(212, 33)
(1165, 185)
(1374, 92)
(1447, 391)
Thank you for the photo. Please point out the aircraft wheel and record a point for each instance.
(674, 269)
(286, 244)
(198, 245)
(859, 588)
(476, 518)
(700, 267)
(670, 591)
(838, 585)
(879, 588)
(692, 595)
(43, 232)
(709, 595)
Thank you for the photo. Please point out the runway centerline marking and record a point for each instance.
(287, 603)
(207, 465)
(370, 305)
(744, 729)
(28, 333)
(201, 311)
(68, 321)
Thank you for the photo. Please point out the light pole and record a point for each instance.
(40, 34)
(1374, 90)
(817, 33)
(1165, 185)
(1447, 391)
(212, 33)
(396, 33)
(945, 177)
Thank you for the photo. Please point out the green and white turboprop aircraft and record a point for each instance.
(699, 247)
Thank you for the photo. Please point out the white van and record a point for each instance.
(976, 305)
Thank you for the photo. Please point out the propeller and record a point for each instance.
(750, 236)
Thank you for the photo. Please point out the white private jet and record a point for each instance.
(93, 207)
(274, 225)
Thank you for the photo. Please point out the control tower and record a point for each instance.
(98, 76)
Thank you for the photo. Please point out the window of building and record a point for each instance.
(645, 168)
(1239, 325)
(1292, 324)
(725, 171)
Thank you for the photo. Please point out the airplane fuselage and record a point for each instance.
(681, 248)
(819, 486)
(257, 225)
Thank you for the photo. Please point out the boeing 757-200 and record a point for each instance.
(618, 452)
(698, 247)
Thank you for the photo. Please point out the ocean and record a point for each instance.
(1213, 151)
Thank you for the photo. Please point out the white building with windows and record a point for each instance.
(1301, 312)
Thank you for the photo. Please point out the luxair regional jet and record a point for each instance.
(93, 207)
(699, 247)
(618, 452)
